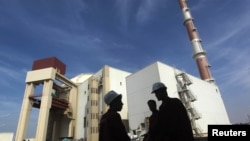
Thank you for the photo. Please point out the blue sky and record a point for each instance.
(125, 34)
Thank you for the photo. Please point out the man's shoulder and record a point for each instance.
(109, 115)
(175, 100)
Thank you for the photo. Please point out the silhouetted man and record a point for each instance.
(152, 120)
(111, 126)
(173, 123)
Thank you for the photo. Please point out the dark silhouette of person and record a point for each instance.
(152, 120)
(111, 126)
(173, 122)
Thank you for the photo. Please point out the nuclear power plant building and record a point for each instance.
(72, 108)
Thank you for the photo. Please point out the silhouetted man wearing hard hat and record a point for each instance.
(111, 126)
(173, 122)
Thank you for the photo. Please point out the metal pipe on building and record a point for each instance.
(198, 53)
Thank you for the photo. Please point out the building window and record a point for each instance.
(94, 130)
(94, 90)
(84, 122)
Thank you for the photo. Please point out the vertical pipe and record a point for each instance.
(198, 53)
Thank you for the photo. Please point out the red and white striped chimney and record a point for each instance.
(198, 53)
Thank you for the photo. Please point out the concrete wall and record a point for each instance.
(209, 102)
(6, 136)
(81, 80)
(118, 84)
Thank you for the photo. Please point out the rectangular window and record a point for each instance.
(84, 122)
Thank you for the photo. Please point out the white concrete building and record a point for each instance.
(91, 106)
(206, 108)
(6, 136)
(136, 90)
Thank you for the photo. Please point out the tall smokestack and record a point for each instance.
(198, 53)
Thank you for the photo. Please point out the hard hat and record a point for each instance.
(110, 96)
(157, 86)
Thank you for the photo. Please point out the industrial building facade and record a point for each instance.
(92, 88)
(202, 99)
(72, 108)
